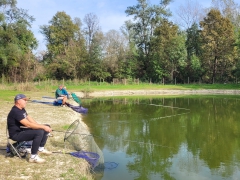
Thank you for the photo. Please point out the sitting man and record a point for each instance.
(59, 94)
(32, 131)
(64, 90)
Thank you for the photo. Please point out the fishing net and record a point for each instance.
(91, 157)
(77, 137)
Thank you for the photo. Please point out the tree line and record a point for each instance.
(196, 45)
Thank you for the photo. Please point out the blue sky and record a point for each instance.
(111, 13)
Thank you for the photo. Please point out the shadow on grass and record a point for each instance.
(3, 150)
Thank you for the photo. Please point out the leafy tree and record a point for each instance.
(130, 66)
(59, 33)
(146, 18)
(16, 42)
(228, 9)
(66, 47)
(169, 52)
(193, 45)
(92, 27)
(217, 38)
(96, 67)
(115, 47)
(193, 41)
(195, 68)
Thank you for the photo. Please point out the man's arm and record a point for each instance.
(30, 123)
(29, 118)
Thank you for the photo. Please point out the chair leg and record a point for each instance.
(14, 150)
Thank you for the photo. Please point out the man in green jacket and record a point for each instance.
(60, 96)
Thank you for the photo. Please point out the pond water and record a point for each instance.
(190, 137)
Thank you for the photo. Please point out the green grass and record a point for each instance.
(7, 92)
(107, 86)
(8, 95)
(145, 86)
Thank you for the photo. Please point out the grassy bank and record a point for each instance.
(7, 92)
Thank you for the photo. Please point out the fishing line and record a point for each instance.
(157, 118)
(169, 107)
(124, 102)
(102, 137)
(151, 144)
(152, 119)
(168, 116)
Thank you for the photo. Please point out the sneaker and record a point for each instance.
(46, 152)
(50, 135)
(36, 159)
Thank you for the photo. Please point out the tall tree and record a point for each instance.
(96, 67)
(146, 17)
(115, 46)
(217, 38)
(193, 45)
(188, 13)
(92, 27)
(59, 33)
(229, 9)
(65, 45)
(131, 66)
(169, 52)
(16, 43)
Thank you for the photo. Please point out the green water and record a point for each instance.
(167, 138)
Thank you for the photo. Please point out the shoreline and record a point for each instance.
(109, 93)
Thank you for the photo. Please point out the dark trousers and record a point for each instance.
(38, 136)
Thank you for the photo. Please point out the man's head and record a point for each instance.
(20, 96)
(20, 100)
(60, 86)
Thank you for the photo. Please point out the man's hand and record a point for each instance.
(47, 128)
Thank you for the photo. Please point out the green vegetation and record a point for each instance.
(44, 89)
(148, 48)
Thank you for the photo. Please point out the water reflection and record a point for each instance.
(168, 138)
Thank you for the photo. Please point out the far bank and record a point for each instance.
(109, 93)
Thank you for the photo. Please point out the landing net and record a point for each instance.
(77, 137)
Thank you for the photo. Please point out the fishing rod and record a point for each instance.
(134, 141)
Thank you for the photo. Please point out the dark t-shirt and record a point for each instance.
(13, 120)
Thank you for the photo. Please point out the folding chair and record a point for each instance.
(15, 148)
